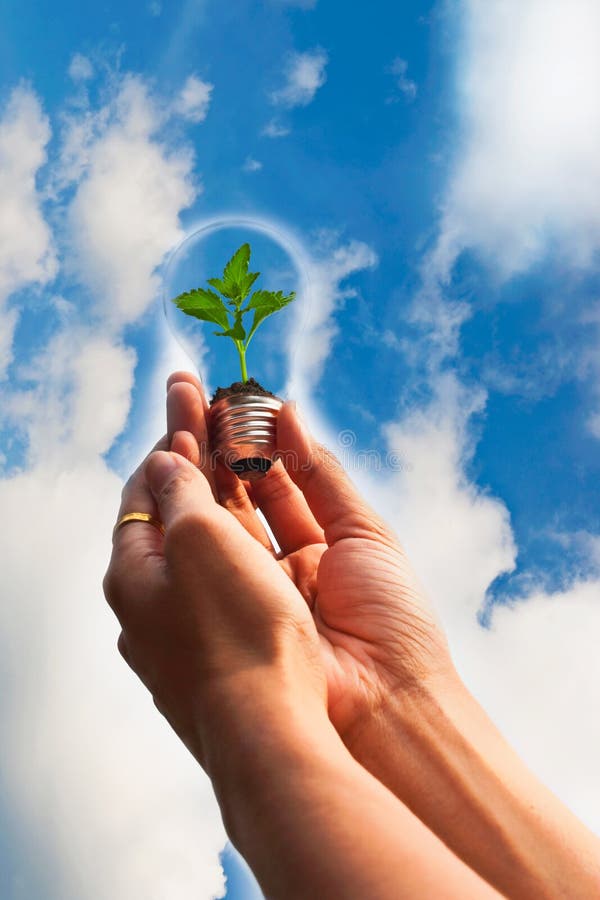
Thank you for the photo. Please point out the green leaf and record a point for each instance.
(237, 266)
(265, 303)
(204, 305)
(219, 285)
(237, 281)
(237, 332)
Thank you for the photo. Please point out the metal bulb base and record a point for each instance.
(243, 433)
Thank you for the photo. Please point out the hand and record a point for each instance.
(394, 695)
(378, 635)
(218, 631)
(209, 618)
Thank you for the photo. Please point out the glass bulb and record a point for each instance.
(243, 416)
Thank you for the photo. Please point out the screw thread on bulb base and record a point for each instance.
(243, 433)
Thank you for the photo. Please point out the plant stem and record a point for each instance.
(242, 353)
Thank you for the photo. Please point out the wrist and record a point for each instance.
(436, 749)
(402, 713)
(266, 759)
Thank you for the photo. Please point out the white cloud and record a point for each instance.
(124, 215)
(528, 176)
(8, 325)
(81, 739)
(305, 74)
(274, 129)
(78, 731)
(27, 254)
(252, 165)
(155, 8)
(459, 537)
(538, 671)
(80, 68)
(406, 86)
(526, 181)
(80, 402)
(194, 100)
(315, 330)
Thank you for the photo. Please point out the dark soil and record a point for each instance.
(241, 387)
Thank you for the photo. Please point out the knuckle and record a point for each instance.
(276, 486)
(236, 500)
(176, 485)
(122, 647)
(113, 589)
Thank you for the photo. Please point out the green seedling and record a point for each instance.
(226, 308)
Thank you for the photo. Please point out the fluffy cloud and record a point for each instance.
(251, 165)
(80, 399)
(27, 253)
(536, 669)
(458, 535)
(538, 672)
(80, 68)
(528, 177)
(81, 739)
(124, 215)
(274, 129)
(194, 99)
(312, 338)
(305, 74)
(525, 181)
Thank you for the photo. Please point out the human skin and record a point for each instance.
(223, 639)
(393, 693)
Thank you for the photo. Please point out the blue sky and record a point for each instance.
(434, 165)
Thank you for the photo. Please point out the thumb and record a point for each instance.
(181, 492)
(334, 501)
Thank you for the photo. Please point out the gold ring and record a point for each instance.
(138, 517)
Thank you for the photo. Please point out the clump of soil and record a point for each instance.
(241, 387)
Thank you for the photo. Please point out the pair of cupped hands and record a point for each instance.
(233, 639)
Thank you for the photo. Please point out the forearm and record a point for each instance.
(312, 822)
(445, 759)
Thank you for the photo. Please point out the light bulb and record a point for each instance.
(243, 416)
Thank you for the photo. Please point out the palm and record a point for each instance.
(377, 632)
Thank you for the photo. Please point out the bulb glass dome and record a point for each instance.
(203, 255)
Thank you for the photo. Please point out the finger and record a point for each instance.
(182, 411)
(302, 567)
(182, 494)
(334, 501)
(233, 495)
(185, 444)
(135, 497)
(137, 545)
(204, 543)
(286, 510)
(187, 411)
(188, 377)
